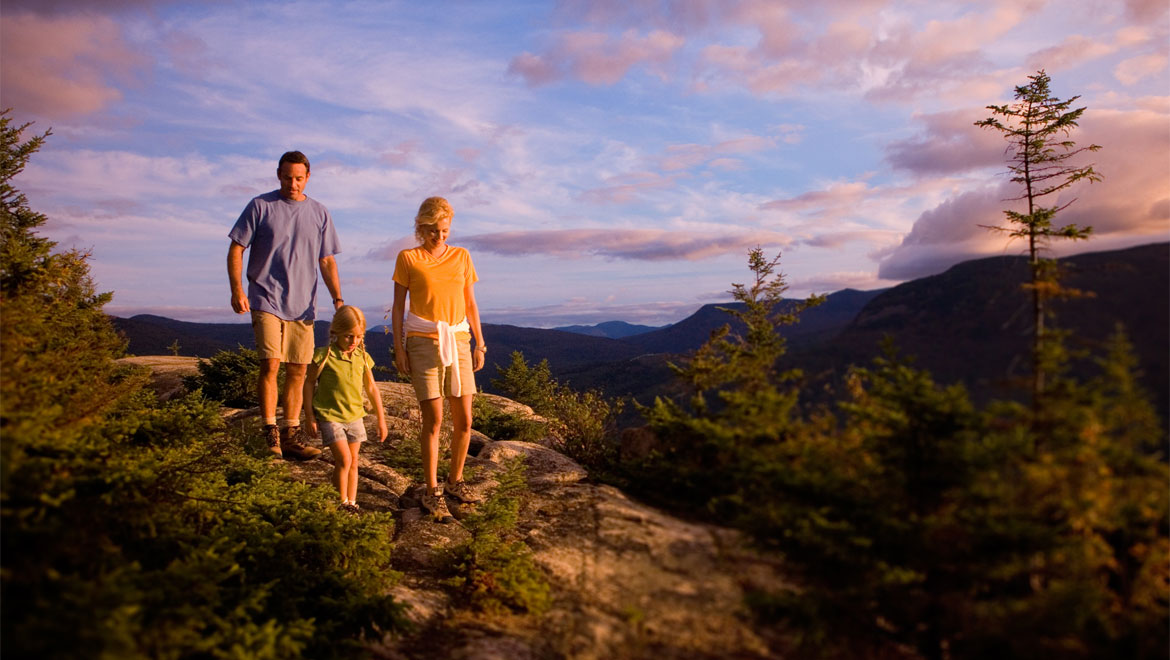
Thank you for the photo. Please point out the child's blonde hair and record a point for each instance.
(432, 211)
(349, 319)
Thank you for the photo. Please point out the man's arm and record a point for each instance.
(332, 282)
(235, 268)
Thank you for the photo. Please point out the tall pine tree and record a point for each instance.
(1037, 128)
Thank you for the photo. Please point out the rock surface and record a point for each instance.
(628, 580)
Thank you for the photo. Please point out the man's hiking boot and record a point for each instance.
(292, 444)
(462, 492)
(434, 505)
(272, 437)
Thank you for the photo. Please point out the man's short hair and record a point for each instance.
(294, 157)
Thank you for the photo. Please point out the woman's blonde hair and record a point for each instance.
(432, 211)
(349, 319)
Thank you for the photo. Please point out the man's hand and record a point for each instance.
(240, 302)
(402, 361)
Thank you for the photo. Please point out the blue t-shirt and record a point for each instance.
(286, 240)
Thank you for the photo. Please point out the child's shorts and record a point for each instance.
(430, 379)
(351, 432)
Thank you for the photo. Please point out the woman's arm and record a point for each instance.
(397, 315)
(376, 399)
(480, 353)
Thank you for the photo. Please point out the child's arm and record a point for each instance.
(309, 390)
(376, 400)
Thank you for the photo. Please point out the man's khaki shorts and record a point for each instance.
(430, 379)
(288, 341)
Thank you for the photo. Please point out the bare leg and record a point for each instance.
(342, 460)
(428, 438)
(293, 395)
(266, 387)
(460, 436)
(354, 449)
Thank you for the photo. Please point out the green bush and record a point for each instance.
(501, 425)
(492, 571)
(582, 424)
(229, 377)
(918, 520)
(138, 530)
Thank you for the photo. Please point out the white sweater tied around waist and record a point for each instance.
(448, 350)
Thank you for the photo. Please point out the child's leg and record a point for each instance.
(428, 438)
(342, 461)
(333, 435)
(351, 483)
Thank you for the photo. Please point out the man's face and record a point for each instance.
(293, 177)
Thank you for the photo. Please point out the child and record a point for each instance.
(333, 390)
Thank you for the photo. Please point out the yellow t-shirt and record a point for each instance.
(436, 284)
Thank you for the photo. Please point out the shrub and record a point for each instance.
(229, 377)
(139, 530)
(492, 571)
(501, 425)
(581, 424)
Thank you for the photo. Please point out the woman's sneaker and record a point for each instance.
(272, 437)
(435, 506)
(462, 492)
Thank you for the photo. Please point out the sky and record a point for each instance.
(606, 159)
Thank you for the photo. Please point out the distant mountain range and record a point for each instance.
(967, 324)
(609, 329)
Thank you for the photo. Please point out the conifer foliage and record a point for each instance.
(134, 529)
(918, 520)
(1037, 128)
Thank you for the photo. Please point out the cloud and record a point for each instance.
(1074, 50)
(631, 244)
(948, 143)
(587, 311)
(595, 57)
(626, 188)
(687, 156)
(1131, 71)
(1130, 206)
(59, 66)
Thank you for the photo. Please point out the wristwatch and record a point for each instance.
(482, 348)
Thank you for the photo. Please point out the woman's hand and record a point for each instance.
(402, 360)
(382, 430)
(477, 360)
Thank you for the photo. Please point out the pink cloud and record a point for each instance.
(1130, 206)
(837, 195)
(1072, 51)
(402, 153)
(950, 142)
(596, 58)
(632, 244)
(626, 188)
(1146, 10)
(58, 66)
(687, 156)
(1132, 70)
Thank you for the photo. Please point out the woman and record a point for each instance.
(432, 343)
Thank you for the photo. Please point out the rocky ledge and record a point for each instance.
(627, 580)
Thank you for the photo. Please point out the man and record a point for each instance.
(291, 236)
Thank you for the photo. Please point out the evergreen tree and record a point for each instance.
(138, 530)
(1037, 128)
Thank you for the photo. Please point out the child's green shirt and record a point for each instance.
(340, 381)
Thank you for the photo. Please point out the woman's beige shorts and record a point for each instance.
(430, 379)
